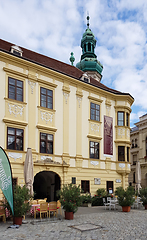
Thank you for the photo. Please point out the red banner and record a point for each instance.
(108, 135)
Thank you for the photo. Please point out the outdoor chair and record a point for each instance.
(105, 203)
(43, 209)
(137, 204)
(41, 201)
(2, 214)
(52, 208)
(111, 203)
(59, 207)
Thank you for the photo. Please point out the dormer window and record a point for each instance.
(85, 78)
(16, 50)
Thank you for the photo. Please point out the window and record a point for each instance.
(73, 180)
(89, 47)
(134, 159)
(127, 119)
(128, 154)
(94, 150)
(121, 153)
(15, 89)
(14, 139)
(136, 143)
(85, 186)
(46, 98)
(134, 177)
(120, 118)
(94, 111)
(132, 143)
(46, 143)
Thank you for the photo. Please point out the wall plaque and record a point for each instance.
(97, 181)
(118, 180)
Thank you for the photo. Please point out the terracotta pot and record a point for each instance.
(69, 215)
(126, 208)
(17, 220)
(145, 206)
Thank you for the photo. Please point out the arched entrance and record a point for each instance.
(46, 184)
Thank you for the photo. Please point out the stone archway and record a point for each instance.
(46, 184)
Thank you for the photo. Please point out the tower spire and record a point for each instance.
(89, 62)
(88, 19)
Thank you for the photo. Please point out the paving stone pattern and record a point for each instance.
(110, 225)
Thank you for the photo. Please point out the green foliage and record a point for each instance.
(97, 200)
(21, 204)
(101, 192)
(143, 195)
(125, 197)
(86, 198)
(70, 197)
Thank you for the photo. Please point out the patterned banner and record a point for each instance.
(6, 178)
(108, 135)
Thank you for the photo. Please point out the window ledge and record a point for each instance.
(15, 101)
(46, 109)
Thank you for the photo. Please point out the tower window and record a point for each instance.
(84, 47)
(120, 118)
(121, 153)
(89, 47)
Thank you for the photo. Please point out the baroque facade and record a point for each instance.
(78, 129)
(138, 136)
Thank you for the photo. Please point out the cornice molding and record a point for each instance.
(94, 137)
(11, 71)
(42, 127)
(53, 85)
(11, 121)
(95, 99)
(123, 107)
(123, 141)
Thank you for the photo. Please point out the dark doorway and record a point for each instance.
(110, 187)
(45, 185)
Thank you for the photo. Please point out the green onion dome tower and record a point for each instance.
(89, 62)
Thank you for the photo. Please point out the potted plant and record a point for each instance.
(21, 205)
(70, 198)
(143, 197)
(125, 197)
(86, 200)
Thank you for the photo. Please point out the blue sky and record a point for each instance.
(55, 27)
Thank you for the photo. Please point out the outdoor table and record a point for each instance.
(33, 209)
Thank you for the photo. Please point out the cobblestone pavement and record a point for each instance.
(109, 225)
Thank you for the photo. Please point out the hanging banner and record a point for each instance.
(6, 178)
(108, 135)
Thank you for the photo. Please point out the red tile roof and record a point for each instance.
(54, 65)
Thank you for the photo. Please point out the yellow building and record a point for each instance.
(78, 129)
